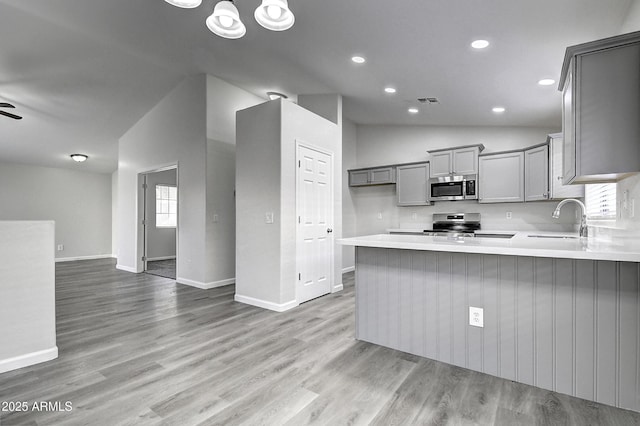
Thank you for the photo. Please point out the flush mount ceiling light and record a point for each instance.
(390, 90)
(498, 110)
(274, 15)
(546, 82)
(187, 4)
(358, 59)
(225, 21)
(479, 44)
(276, 95)
(413, 110)
(79, 157)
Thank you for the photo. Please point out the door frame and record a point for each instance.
(141, 237)
(299, 143)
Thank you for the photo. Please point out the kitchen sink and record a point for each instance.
(561, 237)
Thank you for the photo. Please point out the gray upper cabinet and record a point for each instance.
(501, 177)
(411, 184)
(536, 173)
(557, 188)
(456, 161)
(372, 176)
(601, 104)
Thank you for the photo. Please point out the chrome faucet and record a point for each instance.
(583, 221)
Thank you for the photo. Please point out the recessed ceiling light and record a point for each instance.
(413, 110)
(390, 90)
(276, 95)
(79, 157)
(358, 59)
(498, 110)
(479, 44)
(546, 82)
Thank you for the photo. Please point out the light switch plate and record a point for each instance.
(268, 217)
(476, 316)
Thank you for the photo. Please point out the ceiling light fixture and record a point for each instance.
(498, 110)
(79, 157)
(276, 95)
(546, 82)
(275, 15)
(390, 90)
(225, 21)
(186, 4)
(358, 59)
(413, 110)
(479, 44)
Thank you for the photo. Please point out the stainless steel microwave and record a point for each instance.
(452, 188)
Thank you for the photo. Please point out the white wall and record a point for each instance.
(632, 22)
(266, 182)
(173, 132)
(379, 145)
(221, 211)
(78, 202)
(349, 140)
(161, 242)
(27, 294)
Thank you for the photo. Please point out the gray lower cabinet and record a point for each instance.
(372, 176)
(536, 173)
(501, 177)
(411, 184)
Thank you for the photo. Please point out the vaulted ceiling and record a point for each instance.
(82, 72)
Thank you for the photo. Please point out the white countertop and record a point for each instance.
(618, 249)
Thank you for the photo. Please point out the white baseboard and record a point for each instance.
(348, 269)
(278, 307)
(337, 288)
(205, 286)
(98, 256)
(26, 360)
(151, 259)
(126, 268)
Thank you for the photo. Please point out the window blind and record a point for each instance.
(600, 200)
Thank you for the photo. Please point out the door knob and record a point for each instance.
(329, 230)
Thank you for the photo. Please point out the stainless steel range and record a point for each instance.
(454, 225)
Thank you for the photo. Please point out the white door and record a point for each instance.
(315, 218)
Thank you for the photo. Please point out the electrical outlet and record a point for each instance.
(509, 215)
(379, 216)
(414, 216)
(476, 316)
(215, 218)
(60, 247)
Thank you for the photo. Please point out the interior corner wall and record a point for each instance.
(79, 203)
(349, 138)
(258, 192)
(300, 124)
(172, 132)
(221, 212)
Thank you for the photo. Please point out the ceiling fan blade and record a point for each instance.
(6, 105)
(8, 114)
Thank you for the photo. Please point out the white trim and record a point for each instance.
(205, 286)
(126, 268)
(278, 307)
(151, 259)
(337, 288)
(97, 256)
(26, 360)
(348, 269)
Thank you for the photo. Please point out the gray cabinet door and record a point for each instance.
(501, 178)
(465, 161)
(411, 184)
(358, 177)
(536, 174)
(441, 164)
(557, 188)
(568, 129)
(382, 175)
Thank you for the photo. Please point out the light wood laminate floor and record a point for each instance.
(142, 350)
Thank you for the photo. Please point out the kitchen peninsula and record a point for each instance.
(559, 313)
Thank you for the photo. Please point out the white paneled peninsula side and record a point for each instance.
(559, 313)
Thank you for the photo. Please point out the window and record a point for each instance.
(166, 206)
(601, 201)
